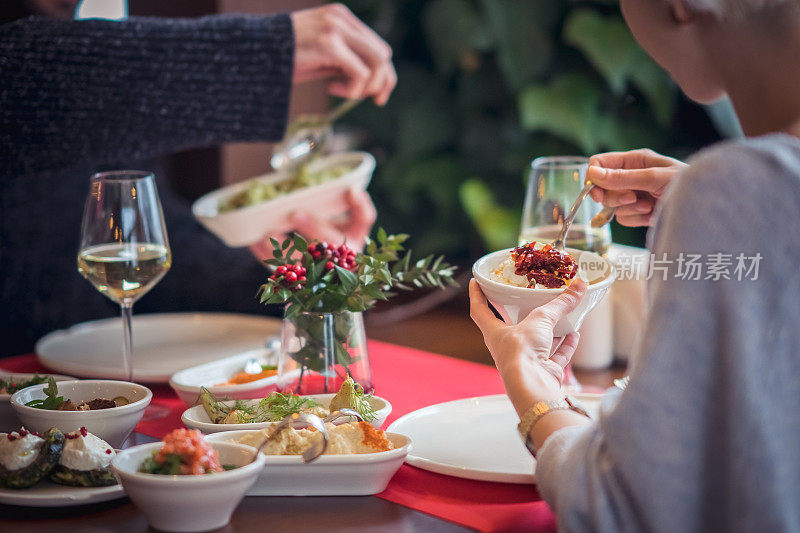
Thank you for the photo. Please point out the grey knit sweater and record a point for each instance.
(707, 435)
(80, 96)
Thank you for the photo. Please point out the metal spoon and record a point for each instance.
(254, 365)
(307, 137)
(344, 412)
(318, 446)
(558, 244)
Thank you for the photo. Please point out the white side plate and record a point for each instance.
(49, 494)
(163, 344)
(329, 475)
(197, 418)
(473, 438)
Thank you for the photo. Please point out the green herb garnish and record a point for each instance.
(279, 405)
(51, 400)
(171, 466)
(10, 386)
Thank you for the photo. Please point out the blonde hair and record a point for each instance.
(738, 8)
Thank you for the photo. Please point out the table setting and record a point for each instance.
(304, 406)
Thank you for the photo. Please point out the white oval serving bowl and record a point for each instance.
(329, 475)
(187, 383)
(112, 425)
(197, 418)
(515, 303)
(8, 418)
(188, 503)
(248, 225)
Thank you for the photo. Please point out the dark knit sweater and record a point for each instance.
(81, 96)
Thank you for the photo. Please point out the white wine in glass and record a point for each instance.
(124, 246)
(124, 272)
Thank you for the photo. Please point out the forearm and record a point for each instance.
(525, 387)
(77, 92)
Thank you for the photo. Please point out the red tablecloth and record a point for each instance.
(411, 379)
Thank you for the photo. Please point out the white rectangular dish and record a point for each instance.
(187, 383)
(329, 475)
(248, 225)
(197, 418)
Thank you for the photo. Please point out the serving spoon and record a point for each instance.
(341, 413)
(307, 136)
(318, 446)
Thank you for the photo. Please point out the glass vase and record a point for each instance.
(320, 350)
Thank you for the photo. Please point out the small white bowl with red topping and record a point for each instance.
(113, 424)
(198, 484)
(506, 288)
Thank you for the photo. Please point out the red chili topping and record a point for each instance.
(197, 456)
(545, 266)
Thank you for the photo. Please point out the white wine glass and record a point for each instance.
(124, 247)
(553, 185)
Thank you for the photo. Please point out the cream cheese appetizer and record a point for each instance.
(84, 461)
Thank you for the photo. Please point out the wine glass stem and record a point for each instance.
(127, 340)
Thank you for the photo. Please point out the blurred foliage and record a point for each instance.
(484, 87)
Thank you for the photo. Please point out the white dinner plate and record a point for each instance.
(49, 494)
(163, 344)
(473, 438)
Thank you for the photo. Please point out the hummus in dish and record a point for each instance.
(344, 439)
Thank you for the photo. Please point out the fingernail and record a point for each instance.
(644, 208)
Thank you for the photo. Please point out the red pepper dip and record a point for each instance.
(544, 266)
(197, 456)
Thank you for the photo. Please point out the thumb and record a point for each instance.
(562, 305)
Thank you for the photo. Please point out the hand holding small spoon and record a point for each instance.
(307, 136)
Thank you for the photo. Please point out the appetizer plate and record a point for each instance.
(515, 303)
(163, 344)
(187, 383)
(473, 438)
(329, 475)
(248, 225)
(197, 418)
(8, 419)
(49, 494)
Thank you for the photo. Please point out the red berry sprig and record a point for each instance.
(292, 277)
(342, 256)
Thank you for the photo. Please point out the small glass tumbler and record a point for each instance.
(320, 350)
(553, 185)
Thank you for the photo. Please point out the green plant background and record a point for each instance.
(484, 87)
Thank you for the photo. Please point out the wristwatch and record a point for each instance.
(539, 409)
